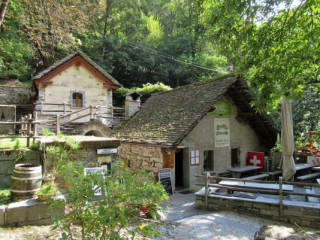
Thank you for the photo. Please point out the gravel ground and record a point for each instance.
(183, 221)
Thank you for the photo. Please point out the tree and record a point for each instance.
(3, 8)
(52, 26)
(278, 50)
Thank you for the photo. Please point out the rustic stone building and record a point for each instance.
(76, 88)
(206, 126)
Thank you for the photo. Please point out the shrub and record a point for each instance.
(105, 217)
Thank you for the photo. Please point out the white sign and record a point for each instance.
(221, 132)
(98, 191)
(313, 160)
(107, 151)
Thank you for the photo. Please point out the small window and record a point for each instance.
(77, 100)
(208, 160)
(235, 161)
(195, 157)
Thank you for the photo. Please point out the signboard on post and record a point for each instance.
(221, 132)
(98, 190)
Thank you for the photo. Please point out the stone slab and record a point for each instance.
(2, 215)
(32, 212)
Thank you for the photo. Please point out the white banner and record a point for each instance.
(221, 132)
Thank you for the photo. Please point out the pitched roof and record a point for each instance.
(166, 118)
(51, 71)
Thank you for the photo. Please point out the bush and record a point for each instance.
(105, 217)
(146, 90)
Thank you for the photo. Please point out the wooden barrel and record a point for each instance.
(25, 180)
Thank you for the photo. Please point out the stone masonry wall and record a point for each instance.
(141, 156)
(14, 95)
(8, 160)
(303, 216)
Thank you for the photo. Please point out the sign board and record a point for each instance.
(103, 151)
(221, 132)
(98, 191)
(165, 179)
(313, 160)
(256, 159)
(222, 108)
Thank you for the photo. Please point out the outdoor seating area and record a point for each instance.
(278, 200)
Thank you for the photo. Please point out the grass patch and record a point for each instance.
(5, 195)
(12, 143)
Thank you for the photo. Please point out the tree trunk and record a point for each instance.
(3, 8)
(108, 7)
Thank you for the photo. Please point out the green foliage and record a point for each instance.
(13, 58)
(146, 90)
(48, 189)
(4, 195)
(276, 48)
(104, 217)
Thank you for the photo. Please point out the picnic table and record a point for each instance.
(303, 169)
(238, 171)
(269, 186)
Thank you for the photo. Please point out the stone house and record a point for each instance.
(77, 89)
(205, 126)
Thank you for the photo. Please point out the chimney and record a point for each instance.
(132, 104)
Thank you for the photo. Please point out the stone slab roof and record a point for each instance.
(69, 57)
(166, 118)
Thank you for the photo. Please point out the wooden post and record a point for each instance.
(64, 108)
(91, 112)
(206, 188)
(29, 127)
(41, 110)
(58, 124)
(280, 197)
(35, 132)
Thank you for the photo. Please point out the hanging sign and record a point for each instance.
(222, 108)
(221, 132)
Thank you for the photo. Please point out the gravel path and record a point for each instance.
(184, 221)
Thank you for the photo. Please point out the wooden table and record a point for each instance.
(269, 186)
(303, 169)
(237, 171)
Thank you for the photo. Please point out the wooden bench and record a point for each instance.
(255, 177)
(309, 176)
(309, 198)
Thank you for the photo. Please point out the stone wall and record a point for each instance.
(8, 160)
(14, 95)
(30, 212)
(141, 156)
(306, 216)
(7, 114)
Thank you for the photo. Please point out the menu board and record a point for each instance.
(164, 176)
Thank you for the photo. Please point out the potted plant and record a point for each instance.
(47, 191)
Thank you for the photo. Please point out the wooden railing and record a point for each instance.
(281, 192)
(61, 115)
(28, 127)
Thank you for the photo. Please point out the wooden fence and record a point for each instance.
(58, 116)
(281, 192)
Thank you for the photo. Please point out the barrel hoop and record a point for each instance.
(32, 178)
(24, 191)
(33, 168)
(27, 172)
